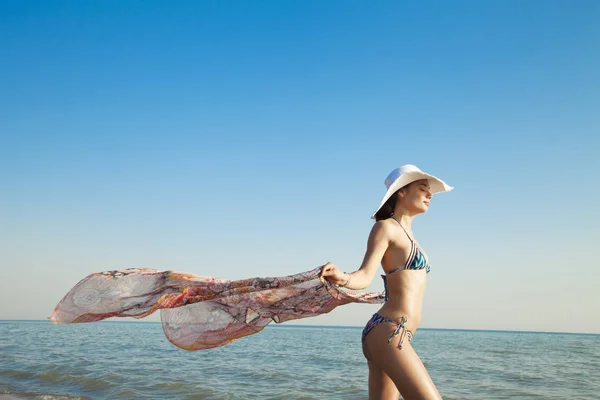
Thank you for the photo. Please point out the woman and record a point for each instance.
(394, 366)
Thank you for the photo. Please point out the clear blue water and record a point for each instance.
(123, 360)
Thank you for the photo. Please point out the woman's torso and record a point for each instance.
(405, 266)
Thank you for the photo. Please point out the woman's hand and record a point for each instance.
(334, 275)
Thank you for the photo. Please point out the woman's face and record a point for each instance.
(417, 197)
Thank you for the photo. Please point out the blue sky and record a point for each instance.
(238, 139)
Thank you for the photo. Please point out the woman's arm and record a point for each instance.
(376, 246)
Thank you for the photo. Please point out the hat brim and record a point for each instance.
(436, 185)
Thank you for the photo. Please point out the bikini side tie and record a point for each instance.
(402, 331)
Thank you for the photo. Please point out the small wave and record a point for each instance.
(172, 385)
(17, 374)
(53, 376)
(6, 395)
(81, 381)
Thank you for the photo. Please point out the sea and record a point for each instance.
(134, 360)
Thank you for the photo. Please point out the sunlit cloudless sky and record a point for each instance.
(238, 139)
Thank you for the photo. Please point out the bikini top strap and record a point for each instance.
(409, 238)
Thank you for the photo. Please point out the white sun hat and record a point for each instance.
(406, 174)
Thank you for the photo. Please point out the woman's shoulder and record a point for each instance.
(386, 224)
(389, 230)
(384, 227)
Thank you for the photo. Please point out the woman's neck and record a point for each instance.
(405, 219)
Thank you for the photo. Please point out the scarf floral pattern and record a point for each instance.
(200, 312)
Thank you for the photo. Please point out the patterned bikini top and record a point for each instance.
(416, 259)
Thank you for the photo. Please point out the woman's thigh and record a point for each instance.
(381, 386)
(402, 366)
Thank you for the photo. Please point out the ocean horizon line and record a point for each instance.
(287, 326)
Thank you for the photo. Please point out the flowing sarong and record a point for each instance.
(203, 312)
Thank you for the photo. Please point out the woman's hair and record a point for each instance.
(387, 209)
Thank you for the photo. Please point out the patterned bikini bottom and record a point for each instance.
(401, 330)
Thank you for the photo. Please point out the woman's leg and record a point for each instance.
(402, 366)
(381, 386)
